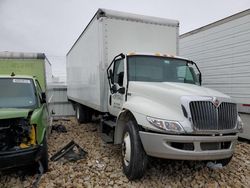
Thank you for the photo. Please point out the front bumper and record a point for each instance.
(20, 157)
(198, 147)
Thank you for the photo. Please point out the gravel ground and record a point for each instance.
(102, 166)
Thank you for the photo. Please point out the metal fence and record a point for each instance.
(59, 102)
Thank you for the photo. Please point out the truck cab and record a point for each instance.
(161, 110)
(24, 115)
(24, 122)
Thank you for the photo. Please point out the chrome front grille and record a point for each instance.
(206, 116)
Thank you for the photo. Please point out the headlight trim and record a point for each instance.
(240, 124)
(166, 125)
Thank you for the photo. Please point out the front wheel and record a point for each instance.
(134, 158)
(45, 156)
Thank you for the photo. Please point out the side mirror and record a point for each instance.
(111, 76)
(43, 97)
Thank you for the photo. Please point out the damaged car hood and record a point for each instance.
(7, 113)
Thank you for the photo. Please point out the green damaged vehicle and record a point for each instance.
(24, 114)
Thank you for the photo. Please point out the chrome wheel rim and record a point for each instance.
(77, 113)
(126, 149)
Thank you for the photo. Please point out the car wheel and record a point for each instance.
(134, 158)
(44, 156)
(83, 114)
(79, 113)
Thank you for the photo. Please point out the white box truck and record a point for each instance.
(124, 67)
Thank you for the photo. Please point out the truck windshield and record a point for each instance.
(17, 93)
(160, 69)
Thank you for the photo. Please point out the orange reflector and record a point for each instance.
(23, 145)
(132, 53)
(32, 139)
(32, 135)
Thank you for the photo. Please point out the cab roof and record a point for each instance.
(156, 54)
(17, 76)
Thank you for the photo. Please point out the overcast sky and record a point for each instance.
(52, 26)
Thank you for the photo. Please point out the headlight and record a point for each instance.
(240, 124)
(169, 126)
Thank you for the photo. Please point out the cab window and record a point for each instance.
(119, 72)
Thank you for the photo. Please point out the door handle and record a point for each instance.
(110, 100)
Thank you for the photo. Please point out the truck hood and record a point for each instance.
(164, 99)
(7, 113)
(176, 89)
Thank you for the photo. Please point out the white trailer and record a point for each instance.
(222, 51)
(152, 102)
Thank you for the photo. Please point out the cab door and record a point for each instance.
(117, 86)
(45, 116)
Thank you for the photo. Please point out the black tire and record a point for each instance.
(44, 156)
(79, 112)
(83, 114)
(137, 164)
(224, 162)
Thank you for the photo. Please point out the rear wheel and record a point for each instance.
(78, 113)
(134, 158)
(83, 114)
